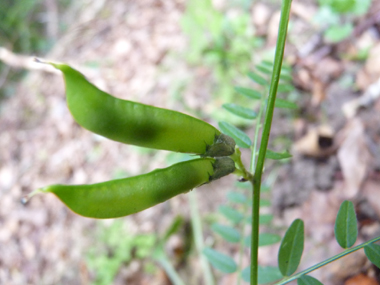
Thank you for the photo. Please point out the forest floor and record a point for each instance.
(134, 50)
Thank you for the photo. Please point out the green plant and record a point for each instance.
(23, 30)
(110, 252)
(223, 43)
(240, 201)
(291, 248)
(235, 218)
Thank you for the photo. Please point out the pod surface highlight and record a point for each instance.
(135, 123)
(127, 196)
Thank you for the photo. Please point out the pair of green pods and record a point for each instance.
(147, 126)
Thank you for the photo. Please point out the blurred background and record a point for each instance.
(188, 56)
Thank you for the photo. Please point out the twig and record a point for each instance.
(198, 238)
(23, 61)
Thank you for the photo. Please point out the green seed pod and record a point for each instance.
(127, 196)
(138, 124)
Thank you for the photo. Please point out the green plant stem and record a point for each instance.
(252, 170)
(198, 237)
(323, 263)
(247, 176)
(256, 182)
(168, 267)
(241, 245)
(257, 129)
(240, 168)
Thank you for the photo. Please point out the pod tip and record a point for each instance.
(52, 63)
(26, 198)
(36, 59)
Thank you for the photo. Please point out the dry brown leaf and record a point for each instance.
(227, 279)
(303, 79)
(354, 157)
(273, 28)
(361, 279)
(372, 65)
(363, 79)
(371, 94)
(371, 190)
(319, 92)
(318, 142)
(260, 16)
(305, 11)
(328, 68)
(364, 42)
(347, 266)
(300, 127)
(319, 213)
(371, 71)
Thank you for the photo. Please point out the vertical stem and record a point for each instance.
(242, 246)
(169, 269)
(257, 129)
(198, 237)
(256, 182)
